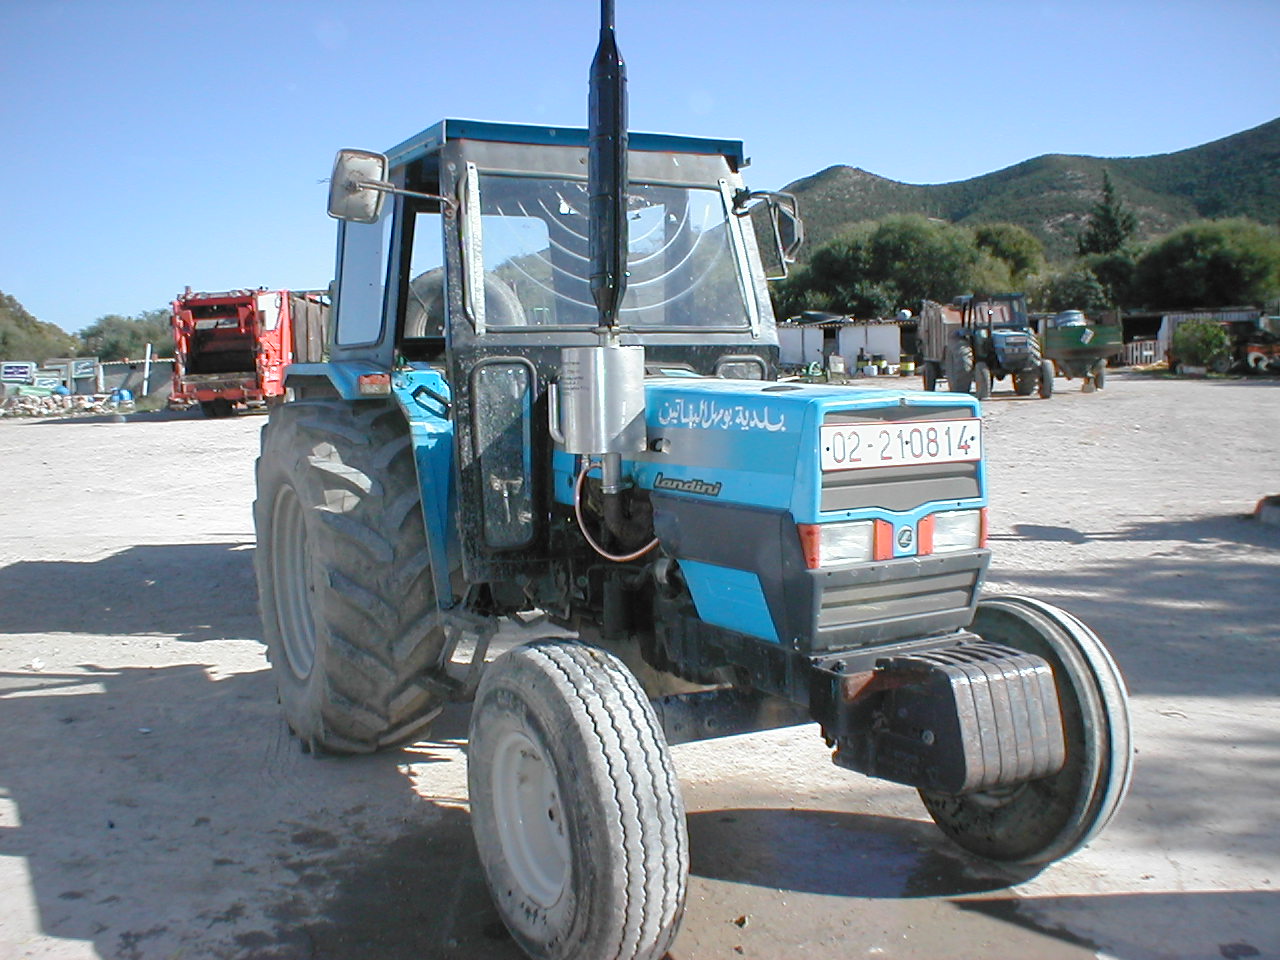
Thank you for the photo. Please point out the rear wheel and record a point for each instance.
(1049, 818)
(960, 367)
(575, 806)
(344, 582)
(981, 381)
(931, 374)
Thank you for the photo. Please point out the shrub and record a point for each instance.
(1201, 343)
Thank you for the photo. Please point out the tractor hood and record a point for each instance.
(762, 443)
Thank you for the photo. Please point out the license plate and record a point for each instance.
(854, 446)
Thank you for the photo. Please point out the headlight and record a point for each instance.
(830, 543)
(956, 530)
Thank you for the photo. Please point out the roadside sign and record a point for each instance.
(83, 368)
(19, 372)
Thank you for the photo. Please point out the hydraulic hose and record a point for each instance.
(578, 484)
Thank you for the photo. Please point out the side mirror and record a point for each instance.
(358, 185)
(775, 219)
(786, 219)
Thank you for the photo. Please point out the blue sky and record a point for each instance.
(156, 145)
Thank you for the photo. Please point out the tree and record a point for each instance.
(1110, 224)
(1015, 246)
(114, 337)
(1117, 272)
(921, 259)
(23, 337)
(1074, 290)
(1211, 263)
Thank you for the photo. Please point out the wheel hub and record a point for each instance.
(530, 818)
(292, 583)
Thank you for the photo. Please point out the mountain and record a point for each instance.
(1052, 195)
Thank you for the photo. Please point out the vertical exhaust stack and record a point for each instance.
(607, 172)
(599, 401)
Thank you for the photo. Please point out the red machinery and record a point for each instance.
(231, 348)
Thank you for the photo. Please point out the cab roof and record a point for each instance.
(430, 141)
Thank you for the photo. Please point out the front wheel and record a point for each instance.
(575, 806)
(1050, 818)
(1100, 374)
(1046, 379)
(981, 381)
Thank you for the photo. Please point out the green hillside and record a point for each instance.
(1051, 195)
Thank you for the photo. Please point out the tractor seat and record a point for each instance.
(425, 313)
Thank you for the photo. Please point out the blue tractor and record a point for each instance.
(552, 387)
(977, 341)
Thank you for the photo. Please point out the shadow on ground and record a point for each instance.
(191, 591)
(1198, 615)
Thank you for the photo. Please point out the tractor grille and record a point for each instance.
(906, 597)
(898, 488)
(863, 603)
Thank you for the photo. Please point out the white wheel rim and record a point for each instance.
(291, 583)
(526, 803)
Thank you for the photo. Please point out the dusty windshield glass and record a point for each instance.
(680, 260)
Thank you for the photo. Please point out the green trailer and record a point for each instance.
(1080, 348)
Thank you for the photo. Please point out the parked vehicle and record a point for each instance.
(974, 343)
(551, 387)
(231, 348)
(1078, 347)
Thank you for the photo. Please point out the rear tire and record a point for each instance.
(931, 375)
(344, 581)
(960, 367)
(1050, 818)
(575, 805)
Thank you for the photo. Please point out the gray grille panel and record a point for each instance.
(866, 603)
(898, 488)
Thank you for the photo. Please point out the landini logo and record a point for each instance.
(687, 486)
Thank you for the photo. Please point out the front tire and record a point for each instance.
(1046, 379)
(1047, 819)
(575, 805)
(981, 381)
(344, 581)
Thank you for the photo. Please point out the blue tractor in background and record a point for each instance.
(976, 342)
(552, 387)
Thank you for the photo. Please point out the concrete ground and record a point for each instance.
(153, 805)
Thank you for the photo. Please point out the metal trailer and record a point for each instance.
(231, 348)
(1080, 348)
(551, 387)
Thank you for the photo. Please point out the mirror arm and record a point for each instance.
(744, 199)
(356, 183)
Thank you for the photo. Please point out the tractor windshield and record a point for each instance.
(682, 270)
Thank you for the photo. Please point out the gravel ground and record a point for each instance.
(153, 805)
